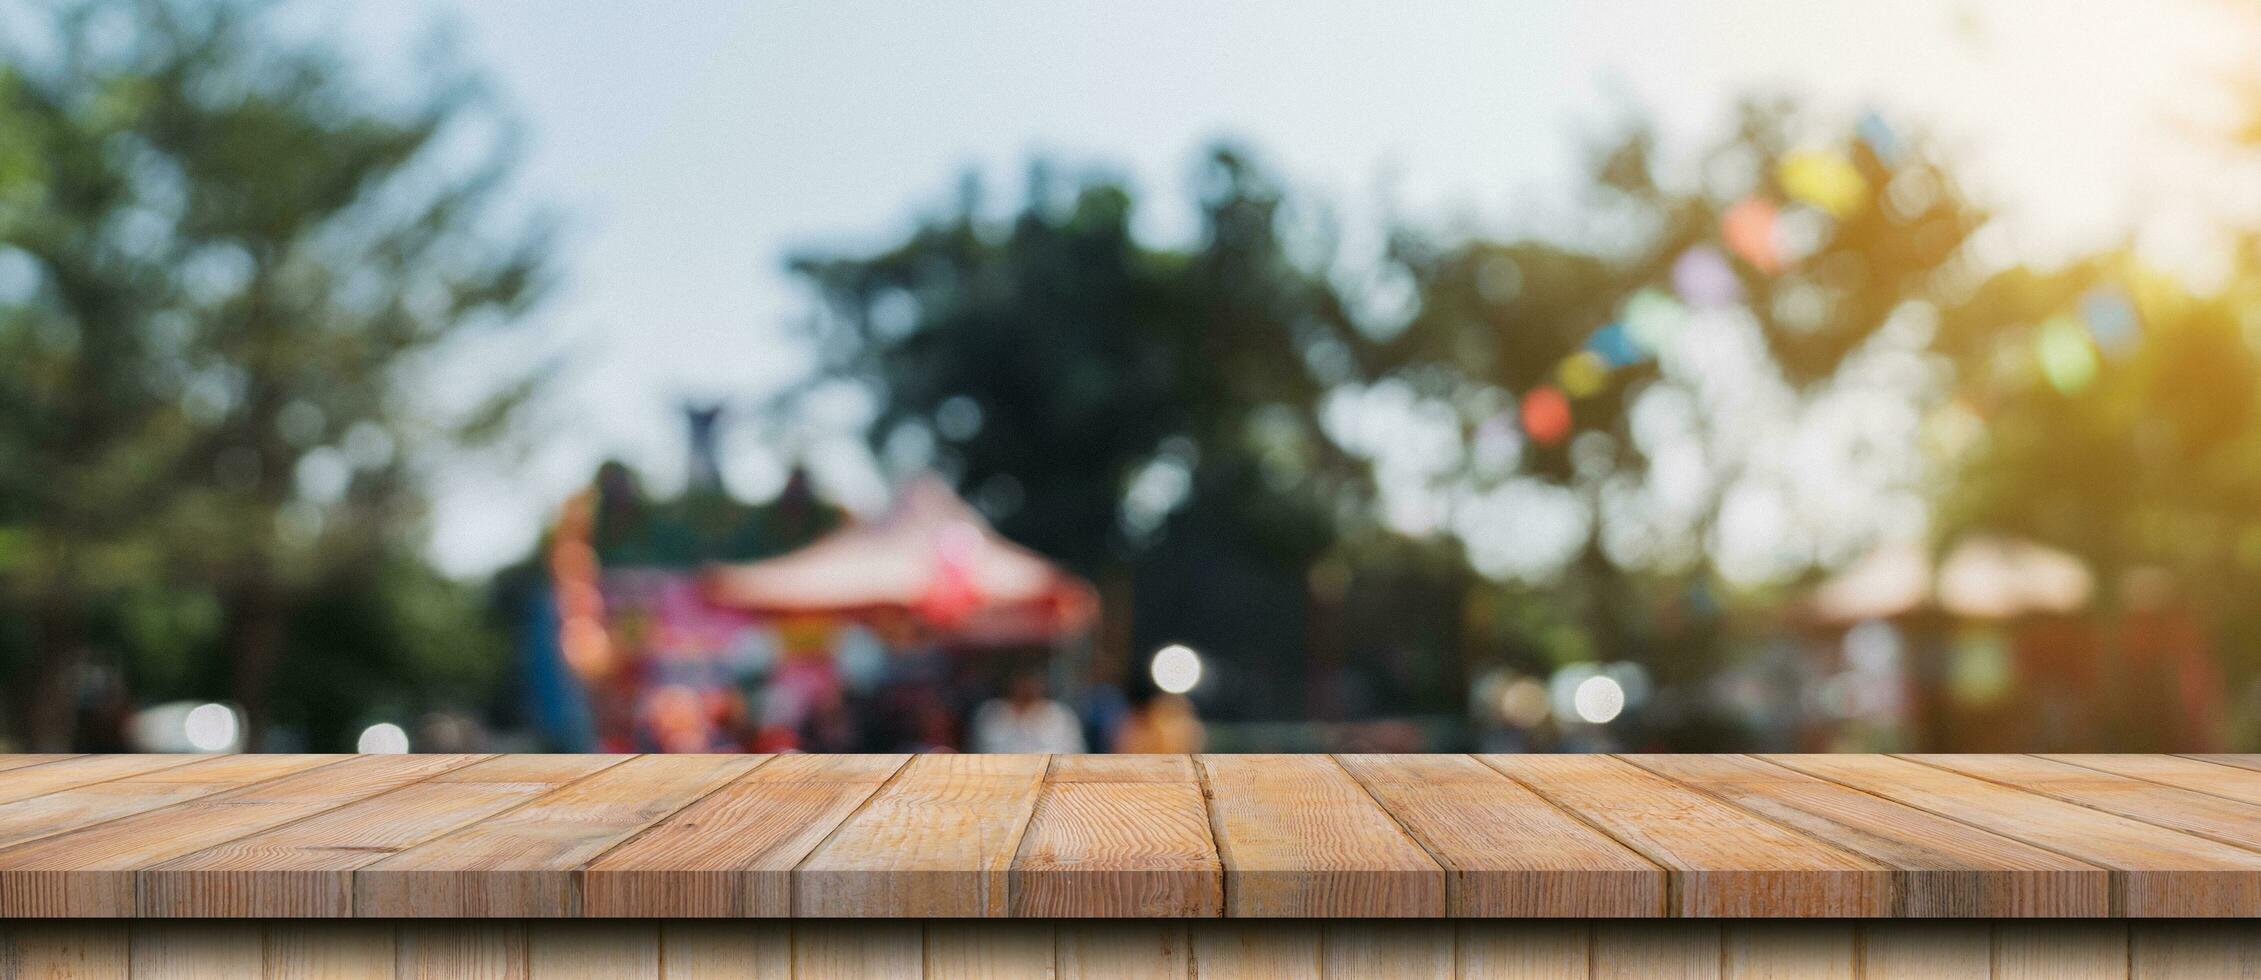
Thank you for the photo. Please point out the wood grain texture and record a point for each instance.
(2173, 770)
(733, 852)
(1723, 861)
(461, 950)
(50, 774)
(1139, 849)
(2155, 871)
(89, 872)
(65, 950)
(306, 868)
(330, 950)
(1147, 837)
(198, 951)
(1255, 949)
(28, 760)
(1776, 950)
(1655, 950)
(1387, 950)
(859, 949)
(64, 810)
(1004, 951)
(1300, 837)
(2067, 950)
(1523, 950)
(522, 863)
(612, 950)
(716, 950)
(1506, 850)
(1927, 950)
(938, 840)
(2203, 814)
(1103, 950)
(1122, 769)
(2161, 950)
(1943, 867)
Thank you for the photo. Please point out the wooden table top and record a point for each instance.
(1175, 836)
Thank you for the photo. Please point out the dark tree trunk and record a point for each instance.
(50, 703)
(254, 645)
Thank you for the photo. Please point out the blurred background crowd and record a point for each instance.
(1772, 424)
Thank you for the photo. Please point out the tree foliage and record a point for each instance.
(221, 257)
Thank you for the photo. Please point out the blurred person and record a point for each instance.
(1024, 720)
(449, 732)
(830, 725)
(1166, 724)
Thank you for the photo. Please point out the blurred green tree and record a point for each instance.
(1346, 422)
(1090, 393)
(1083, 387)
(1628, 376)
(220, 257)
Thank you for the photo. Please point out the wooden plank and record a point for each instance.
(2155, 871)
(1256, 950)
(1502, 949)
(1506, 850)
(1300, 837)
(29, 759)
(711, 950)
(1772, 950)
(306, 868)
(89, 872)
(341, 950)
(1944, 868)
(23, 783)
(2066, 950)
(2203, 814)
(1139, 848)
(462, 950)
(80, 806)
(65, 950)
(1934, 950)
(985, 950)
(1383, 948)
(522, 862)
(198, 950)
(1103, 950)
(858, 949)
(532, 768)
(2172, 770)
(733, 852)
(2191, 949)
(1122, 769)
(593, 950)
(2235, 760)
(936, 841)
(1655, 950)
(1723, 861)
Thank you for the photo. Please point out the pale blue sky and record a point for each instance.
(690, 146)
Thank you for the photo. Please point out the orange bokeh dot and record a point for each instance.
(1546, 415)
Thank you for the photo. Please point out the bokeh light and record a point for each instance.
(382, 738)
(1175, 668)
(1703, 277)
(1824, 179)
(1546, 415)
(2068, 359)
(2111, 320)
(1582, 374)
(1599, 700)
(211, 728)
(1748, 229)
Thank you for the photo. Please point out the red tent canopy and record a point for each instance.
(931, 557)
